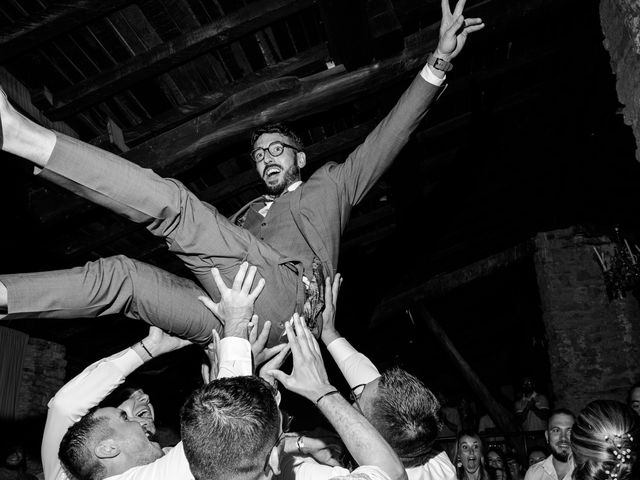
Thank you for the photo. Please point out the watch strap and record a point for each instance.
(438, 63)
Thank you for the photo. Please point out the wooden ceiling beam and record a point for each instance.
(171, 54)
(447, 282)
(51, 23)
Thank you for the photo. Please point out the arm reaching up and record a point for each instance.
(309, 379)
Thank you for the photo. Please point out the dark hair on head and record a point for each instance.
(282, 129)
(503, 457)
(604, 441)
(560, 411)
(538, 448)
(229, 427)
(405, 412)
(461, 473)
(77, 446)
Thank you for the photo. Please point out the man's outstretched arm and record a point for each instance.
(90, 387)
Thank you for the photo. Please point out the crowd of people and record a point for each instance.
(269, 291)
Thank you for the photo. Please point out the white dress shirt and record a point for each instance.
(98, 380)
(357, 369)
(546, 471)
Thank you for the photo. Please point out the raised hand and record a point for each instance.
(309, 376)
(236, 303)
(211, 367)
(158, 342)
(274, 364)
(454, 29)
(259, 342)
(329, 332)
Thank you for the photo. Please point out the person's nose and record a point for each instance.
(144, 398)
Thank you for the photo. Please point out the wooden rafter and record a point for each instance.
(171, 54)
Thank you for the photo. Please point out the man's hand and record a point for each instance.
(309, 376)
(323, 446)
(211, 367)
(259, 342)
(329, 332)
(159, 342)
(236, 303)
(273, 364)
(454, 29)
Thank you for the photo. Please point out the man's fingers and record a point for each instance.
(271, 352)
(264, 334)
(446, 9)
(472, 28)
(280, 376)
(337, 283)
(248, 279)
(258, 289)
(459, 7)
(278, 360)
(239, 278)
(210, 304)
(222, 287)
(294, 342)
(204, 371)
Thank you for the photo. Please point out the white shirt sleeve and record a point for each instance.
(356, 368)
(365, 472)
(234, 354)
(431, 77)
(295, 467)
(72, 402)
(172, 466)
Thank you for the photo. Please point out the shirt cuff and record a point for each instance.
(127, 362)
(340, 349)
(431, 77)
(235, 357)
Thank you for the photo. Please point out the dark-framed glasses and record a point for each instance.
(275, 149)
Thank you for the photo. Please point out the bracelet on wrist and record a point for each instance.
(145, 349)
(332, 392)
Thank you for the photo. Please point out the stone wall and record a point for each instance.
(594, 344)
(43, 374)
(620, 21)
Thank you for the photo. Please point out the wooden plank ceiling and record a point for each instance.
(177, 85)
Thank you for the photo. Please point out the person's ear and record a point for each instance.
(301, 159)
(274, 460)
(546, 435)
(107, 448)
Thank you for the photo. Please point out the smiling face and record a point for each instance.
(139, 408)
(280, 171)
(558, 435)
(470, 453)
(536, 456)
(634, 400)
(132, 439)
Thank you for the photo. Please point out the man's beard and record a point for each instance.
(291, 175)
(561, 455)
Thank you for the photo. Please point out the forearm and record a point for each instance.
(366, 445)
(356, 367)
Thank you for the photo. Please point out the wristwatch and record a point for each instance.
(438, 63)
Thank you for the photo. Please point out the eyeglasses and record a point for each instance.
(355, 397)
(275, 149)
(278, 442)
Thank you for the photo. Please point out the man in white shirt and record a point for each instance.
(558, 465)
(232, 427)
(397, 404)
(98, 443)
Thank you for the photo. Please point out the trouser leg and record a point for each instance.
(109, 286)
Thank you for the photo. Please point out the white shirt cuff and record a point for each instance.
(340, 349)
(234, 354)
(431, 77)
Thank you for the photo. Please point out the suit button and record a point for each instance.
(264, 224)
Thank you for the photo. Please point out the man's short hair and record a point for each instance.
(77, 446)
(229, 426)
(282, 129)
(405, 412)
(630, 391)
(560, 411)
